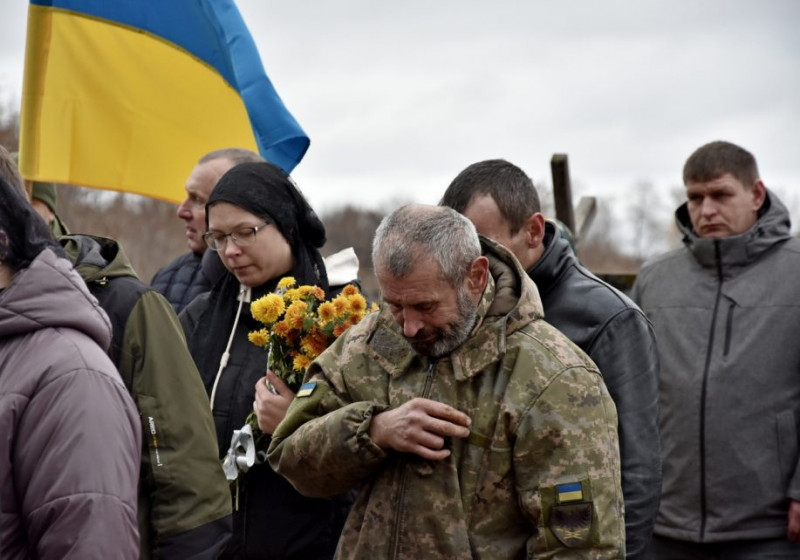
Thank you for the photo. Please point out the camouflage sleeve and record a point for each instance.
(566, 461)
(322, 446)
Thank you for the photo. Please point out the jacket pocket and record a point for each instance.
(787, 444)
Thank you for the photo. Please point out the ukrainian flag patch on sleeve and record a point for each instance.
(572, 492)
(306, 389)
(570, 513)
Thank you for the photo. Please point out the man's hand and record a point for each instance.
(419, 426)
(271, 407)
(794, 521)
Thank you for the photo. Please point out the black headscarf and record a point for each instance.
(23, 233)
(267, 192)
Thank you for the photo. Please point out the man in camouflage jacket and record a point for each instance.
(475, 429)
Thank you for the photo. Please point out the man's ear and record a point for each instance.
(534, 227)
(759, 194)
(478, 276)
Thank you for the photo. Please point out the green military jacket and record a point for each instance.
(184, 499)
(539, 475)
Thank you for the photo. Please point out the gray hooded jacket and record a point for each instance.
(69, 451)
(725, 312)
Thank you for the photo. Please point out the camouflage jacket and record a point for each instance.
(539, 475)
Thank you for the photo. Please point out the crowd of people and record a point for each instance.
(502, 403)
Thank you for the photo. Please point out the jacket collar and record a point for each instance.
(509, 302)
(555, 260)
(738, 251)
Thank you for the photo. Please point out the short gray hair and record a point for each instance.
(416, 231)
(234, 155)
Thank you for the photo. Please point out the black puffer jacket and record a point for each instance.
(614, 332)
(187, 277)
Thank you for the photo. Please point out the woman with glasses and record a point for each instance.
(263, 230)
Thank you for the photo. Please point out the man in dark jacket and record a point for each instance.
(195, 272)
(184, 504)
(502, 202)
(725, 307)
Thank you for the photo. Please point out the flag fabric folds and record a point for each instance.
(128, 94)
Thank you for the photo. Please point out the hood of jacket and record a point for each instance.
(96, 257)
(738, 251)
(50, 293)
(509, 303)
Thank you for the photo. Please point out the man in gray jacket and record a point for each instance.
(725, 309)
(500, 199)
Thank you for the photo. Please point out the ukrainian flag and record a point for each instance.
(129, 94)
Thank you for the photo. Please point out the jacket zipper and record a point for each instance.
(395, 548)
(703, 395)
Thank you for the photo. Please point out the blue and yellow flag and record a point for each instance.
(128, 94)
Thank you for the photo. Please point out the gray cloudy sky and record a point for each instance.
(398, 97)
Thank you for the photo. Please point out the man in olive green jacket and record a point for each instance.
(475, 429)
(184, 499)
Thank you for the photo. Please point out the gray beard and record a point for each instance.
(455, 336)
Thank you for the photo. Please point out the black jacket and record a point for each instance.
(614, 332)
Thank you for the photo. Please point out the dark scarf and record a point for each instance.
(267, 192)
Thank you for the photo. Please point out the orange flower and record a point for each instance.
(319, 293)
(350, 290)
(281, 329)
(296, 313)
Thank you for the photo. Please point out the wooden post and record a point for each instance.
(562, 190)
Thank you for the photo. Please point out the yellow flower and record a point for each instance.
(374, 307)
(340, 305)
(354, 319)
(301, 362)
(326, 312)
(350, 290)
(306, 291)
(357, 303)
(286, 282)
(267, 309)
(292, 295)
(259, 337)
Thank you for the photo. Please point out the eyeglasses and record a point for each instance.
(243, 237)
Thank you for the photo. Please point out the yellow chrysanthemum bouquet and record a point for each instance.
(299, 324)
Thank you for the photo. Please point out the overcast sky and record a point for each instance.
(398, 97)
